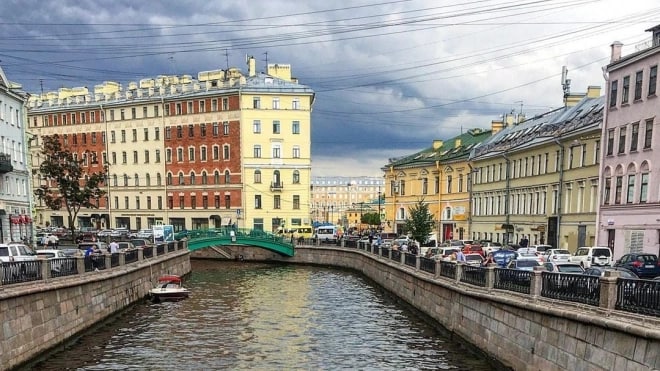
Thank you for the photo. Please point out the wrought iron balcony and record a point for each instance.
(276, 186)
(5, 163)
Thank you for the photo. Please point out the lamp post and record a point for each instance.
(379, 227)
(332, 214)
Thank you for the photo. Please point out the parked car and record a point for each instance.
(600, 272)
(523, 264)
(16, 252)
(557, 255)
(101, 247)
(139, 242)
(444, 253)
(644, 265)
(58, 263)
(123, 246)
(489, 246)
(541, 249)
(563, 267)
(503, 257)
(473, 249)
(596, 255)
(474, 259)
(145, 234)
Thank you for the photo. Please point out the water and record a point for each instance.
(269, 317)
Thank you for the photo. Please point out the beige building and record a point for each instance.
(340, 200)
(539, 178)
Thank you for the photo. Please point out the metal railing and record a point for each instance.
(571, 287)
(94, 262)
(171, 247)
(114, 260)
(513, 280)
(384, 252)
(350, 243)
(396, 255)
(131, 256)
(148, 252)
(61, 267)
(410, 260)
(427, 265)
(160, 250)
(638, 296)
(23, 271)
(448, 269)
(473, 275)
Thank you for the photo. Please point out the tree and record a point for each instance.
(420, 224)
(370, 219)
(70, 185)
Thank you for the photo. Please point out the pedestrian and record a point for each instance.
(489, 260)
(460, 257)
(114, 247)
(524, 242)
(371, 239)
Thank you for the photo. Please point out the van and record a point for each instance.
(303, 231)
(327, 233)
(595, 255)
(16, 252)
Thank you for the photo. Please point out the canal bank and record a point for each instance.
(523, 332)
(39, 316)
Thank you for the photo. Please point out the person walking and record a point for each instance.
(460, 257)
(114, 247)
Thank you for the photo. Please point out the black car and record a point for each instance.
(600, 272)
(644, 265)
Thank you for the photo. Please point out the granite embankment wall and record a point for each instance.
(37, 316)
(522, 332)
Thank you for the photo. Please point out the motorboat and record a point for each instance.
(168, 288)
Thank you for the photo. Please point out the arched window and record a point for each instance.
(227, 177)
(158, 179)
(137, 180)
(276, 177)
(169, 178)
(257, 176)
(447, 213)
(296, 176)
(114, 180)
(205, 179)
(148, 180)
(125, 180)
(192, 177)
(216, 177)
(181, 178)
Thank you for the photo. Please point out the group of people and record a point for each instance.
(459, 256)
(49, 240)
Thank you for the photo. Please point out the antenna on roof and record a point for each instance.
(172, 64)
(266, 54)
(227, 59)
(565, 84)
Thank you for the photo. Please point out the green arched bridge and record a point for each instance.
(202, 238)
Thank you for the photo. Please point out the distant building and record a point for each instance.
(629, 215)
(222, 149)
(15, 192)
(339, 200)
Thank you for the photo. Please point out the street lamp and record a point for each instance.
(379, 193)
(332, 214)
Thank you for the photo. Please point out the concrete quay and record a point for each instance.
(41, 315)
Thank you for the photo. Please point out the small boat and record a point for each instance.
(168, 289)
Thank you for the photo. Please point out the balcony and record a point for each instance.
(276, 186)
(5, 163)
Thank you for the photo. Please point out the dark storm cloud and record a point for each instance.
(381, 91)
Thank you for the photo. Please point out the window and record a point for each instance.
(178, 108)
(170, 202)
(295, 127)
(631, 189)
(622, 139)
(191, 131)
(610, 142)
(460, 182)
(156, 133)
(402, 187)
(123, 136)
(191, 154)
(136, 179)
(583, 155)
(653, 79)
(276, 103)
(276, 152)
(168, 155)
(256, 127)
(449, 184)
(644, 188)
(160, 202)
(205, 202)
(597, 152)
(216, 177)
(648, 134)
(158, 180)
(205, 179)
(112, 136)
(182, 203)
(126, 201)
(193, 202)
(295, 103)
(296, 177)
(157, 156)
(617, 190)
(225, 128)
(256, 102)
(257, 176)
(148, 180)
(168, 133)
(296, 151)
(114, 158)
(135, 157)
(190, 108)
(227, 177)
(216, 201)
(227, 202)
(625, 89)
(134, 132)
(193, 179)
(156, 113)
(125, 180)
(277, 203)
(639, 76)
(181, 180)
(214, 105)
(257, 151)
(179, 131)
(225, 152)
(257, 201)
(634, 137)
(296, 202)
(148, 201)
(216, 129)
(613, 92)
(202, 154)
(146, 156)
(144, 111)
(276, 127)
(216, 152)
(124, 157)
(146, 134)
(179, 154)
(225, 104)
(169, 179)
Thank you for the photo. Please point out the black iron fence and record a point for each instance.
(410, 260)
(638, 296)
(160, 250)
(448, 269)
(114, 260)
(513, 280)
(20, 271)
(130, 256)
(171, 247)
(396, 255)
(427, 264)
(94, 263)
(384, 252)
(60, 267)
(350, 243)
(148, 252)
(571, 287)
(474, 275)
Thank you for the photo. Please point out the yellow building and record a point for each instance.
(538, 179)
(439, 175)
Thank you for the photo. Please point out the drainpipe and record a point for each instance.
(559, 191)
(107, 160)
(507, 197)
(166, 198)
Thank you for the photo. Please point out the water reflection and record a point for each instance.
(264, 317)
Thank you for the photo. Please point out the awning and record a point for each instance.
(214, 217)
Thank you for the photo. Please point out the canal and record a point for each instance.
(247, 316)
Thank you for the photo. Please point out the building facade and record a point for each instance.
(341, 200)
(15, 191)
(538, 178)
(173, 146)
(629, 216)
(440, 176)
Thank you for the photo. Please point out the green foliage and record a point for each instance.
(370, 219)
(420, 224)
(70, 185)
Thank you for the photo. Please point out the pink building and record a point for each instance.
(629, 213)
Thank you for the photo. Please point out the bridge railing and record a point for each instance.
(44, 269)
(609, 292)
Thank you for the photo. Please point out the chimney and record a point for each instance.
(457, 143)
(437, 144)
(252, 66)
(496, 126)
(521, 117)
(593, 91)
(616, 51)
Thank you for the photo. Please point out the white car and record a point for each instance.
(557, 255)
(57, 260)
(595, 255)
(145, 234)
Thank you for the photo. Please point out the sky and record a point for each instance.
(389, 76)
